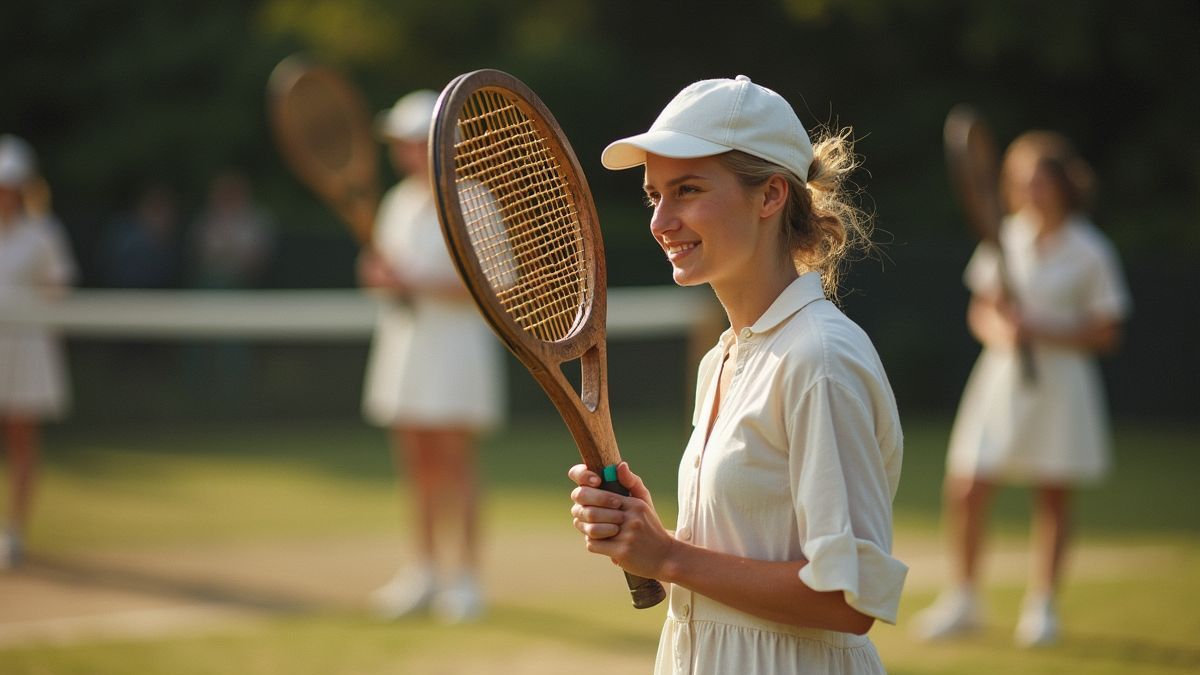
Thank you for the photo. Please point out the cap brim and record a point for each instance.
(630, 152)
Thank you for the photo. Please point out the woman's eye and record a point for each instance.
(650, 199)
(686, 189)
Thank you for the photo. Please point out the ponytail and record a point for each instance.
(821, 226)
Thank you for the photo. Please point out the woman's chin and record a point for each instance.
(684, 278)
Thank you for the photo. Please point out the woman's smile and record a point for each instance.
(679, 250)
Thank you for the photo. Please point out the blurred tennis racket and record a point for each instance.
(323, 130)
(521, 226)
(975, 171)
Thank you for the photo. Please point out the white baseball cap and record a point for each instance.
(710, 117)
(410, 118)
(17, 163)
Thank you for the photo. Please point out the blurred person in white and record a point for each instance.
(434, 378)
(1051, 431)
(35, 263)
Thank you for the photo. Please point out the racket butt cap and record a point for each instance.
(645, 593)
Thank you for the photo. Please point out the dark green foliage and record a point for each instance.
(116, 94)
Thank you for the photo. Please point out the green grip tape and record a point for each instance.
(610, 473)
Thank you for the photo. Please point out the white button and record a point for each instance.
(685, 611)
(696, 462)
(685, 533)
(742, 78)
(746, 332)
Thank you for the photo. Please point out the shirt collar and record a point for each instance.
(803, 291)
(1025, 232)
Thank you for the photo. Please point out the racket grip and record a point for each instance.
(644, 592)
(1028, 366)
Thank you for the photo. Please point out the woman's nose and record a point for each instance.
(662, 221)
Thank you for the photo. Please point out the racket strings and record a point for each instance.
(323, 126)
(523, 224)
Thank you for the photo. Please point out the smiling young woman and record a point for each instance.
(780, 562)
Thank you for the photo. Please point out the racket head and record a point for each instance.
(519, 218)
(974, 166)
(521, 226)
(323, 129)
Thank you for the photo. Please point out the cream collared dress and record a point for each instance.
(1054, 429)
(433, 362)
(802, 462)
(34, 255)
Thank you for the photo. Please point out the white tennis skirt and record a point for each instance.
(33, 374)
(1053, 430)
(434, 363)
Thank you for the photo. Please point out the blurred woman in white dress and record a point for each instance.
(1049, 431)
(435, 378)
(35, 264)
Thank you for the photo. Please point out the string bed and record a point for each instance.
(520, 216)
(324, 129)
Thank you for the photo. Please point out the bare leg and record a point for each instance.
(449, 488)
(1051, 531)
(452, 480)
(411, 448)
(1038, 625)
(411, 591)
(22, 439)
(966, 502)
(956, 611)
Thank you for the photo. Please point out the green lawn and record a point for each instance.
(215, 489)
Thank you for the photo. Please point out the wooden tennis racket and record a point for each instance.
(521, 227)
(323, 130)
(974, 167)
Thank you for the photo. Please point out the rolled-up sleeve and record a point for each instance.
(843, 484)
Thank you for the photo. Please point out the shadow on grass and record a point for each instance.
(78, 573)
(568, 628)
(1147, 492)
(1133, 652)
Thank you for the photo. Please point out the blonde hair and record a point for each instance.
(821, 224)
(1032, 148)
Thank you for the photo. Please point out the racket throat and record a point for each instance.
(591, 386)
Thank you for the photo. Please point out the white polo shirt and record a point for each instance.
(803, 462)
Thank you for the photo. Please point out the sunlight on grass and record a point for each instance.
(209, 489)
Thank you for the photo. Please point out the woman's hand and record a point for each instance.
(626, 529)
(996, 323)
(374, 272)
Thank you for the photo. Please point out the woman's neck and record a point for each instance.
(746, 300)
(1049, 223)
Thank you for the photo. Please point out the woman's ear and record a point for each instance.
(775, 196)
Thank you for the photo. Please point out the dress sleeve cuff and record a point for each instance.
(870, 578)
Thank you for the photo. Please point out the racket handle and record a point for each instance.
(1028, 366)
(644, 592)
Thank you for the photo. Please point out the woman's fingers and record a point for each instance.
(597, 530)
(580, 475)
(586, 496)
(597, 513)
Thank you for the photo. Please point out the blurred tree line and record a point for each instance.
(116, 95)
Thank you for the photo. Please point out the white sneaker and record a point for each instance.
(409, 593)
(461, 602)
(1038, 626)
(955, 613)
(10, 551)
